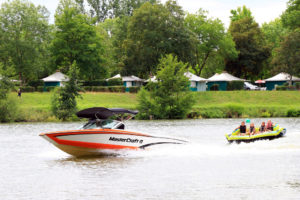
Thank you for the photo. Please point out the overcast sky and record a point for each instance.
(262, 10)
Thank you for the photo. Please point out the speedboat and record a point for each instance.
(104, 134)
(269, 135)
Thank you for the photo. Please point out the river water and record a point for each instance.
(206, 168)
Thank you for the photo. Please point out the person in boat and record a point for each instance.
(262, 127)
(252, 130)
(269, 126)
(242, 128)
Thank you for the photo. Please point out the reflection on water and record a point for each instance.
(206, 168)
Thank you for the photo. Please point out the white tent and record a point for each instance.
(116, 76)
(56, 79)
(197, 83)
(279, 79)
(129, 81)
(224, 76)
(283, 77)
(222, 80)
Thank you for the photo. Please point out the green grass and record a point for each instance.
(247, 98)
(37, 106)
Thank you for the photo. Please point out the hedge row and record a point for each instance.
(110, 82)
(104, 88)
(110, 89)
(85, 88)
(37, 89)
(235, 85)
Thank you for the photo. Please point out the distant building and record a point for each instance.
(280, 79)
(56, 79)
(222, 80)
(129, 81)
(197, 83)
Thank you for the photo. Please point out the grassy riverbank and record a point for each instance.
(36, 106)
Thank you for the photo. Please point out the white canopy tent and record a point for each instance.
(56, 79)
(280, 79)
(224, 76)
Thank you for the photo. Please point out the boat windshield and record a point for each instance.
(109, 124)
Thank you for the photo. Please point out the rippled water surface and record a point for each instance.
(206, 168)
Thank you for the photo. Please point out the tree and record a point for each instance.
(288, 55)
(240, 13)
(154, 31)
(99, 9)
(76, 39)
(104, 9)
(24, 35)
(170, 97)
(64, 103)
(212, 42)
(274, 34)
(250, 43)
(8, 105)
(291, 17)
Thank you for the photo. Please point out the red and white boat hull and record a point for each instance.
(103, 141)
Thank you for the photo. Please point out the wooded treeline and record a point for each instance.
(106, 37)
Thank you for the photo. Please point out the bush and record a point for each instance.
(171, 99)
(99, 89)
(9, 109)
(40, 89)
(115, 82)
(8, 105)
(134, 89)
(36, 83)
(280, 88)
(293, 113)
(50, 88)
(117, 88)
(297, 85)
(214, 87)
(94, 83)
(27, 89)
(234, 111)
(235, 85)
(64, 104)
(266, 114)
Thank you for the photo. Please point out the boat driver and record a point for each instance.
(98, 123)
(242, 128)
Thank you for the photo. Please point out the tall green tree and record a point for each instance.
(249, 40)
(291, 17)
(211, 41)
(287, 58)
(169, 97)
(274, 33)
(240, 13)
(24, 35)
(104, 9)
(154, 31)
(64, 103)
(76, 39)
(116, 33)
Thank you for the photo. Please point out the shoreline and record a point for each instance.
(35, 107)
